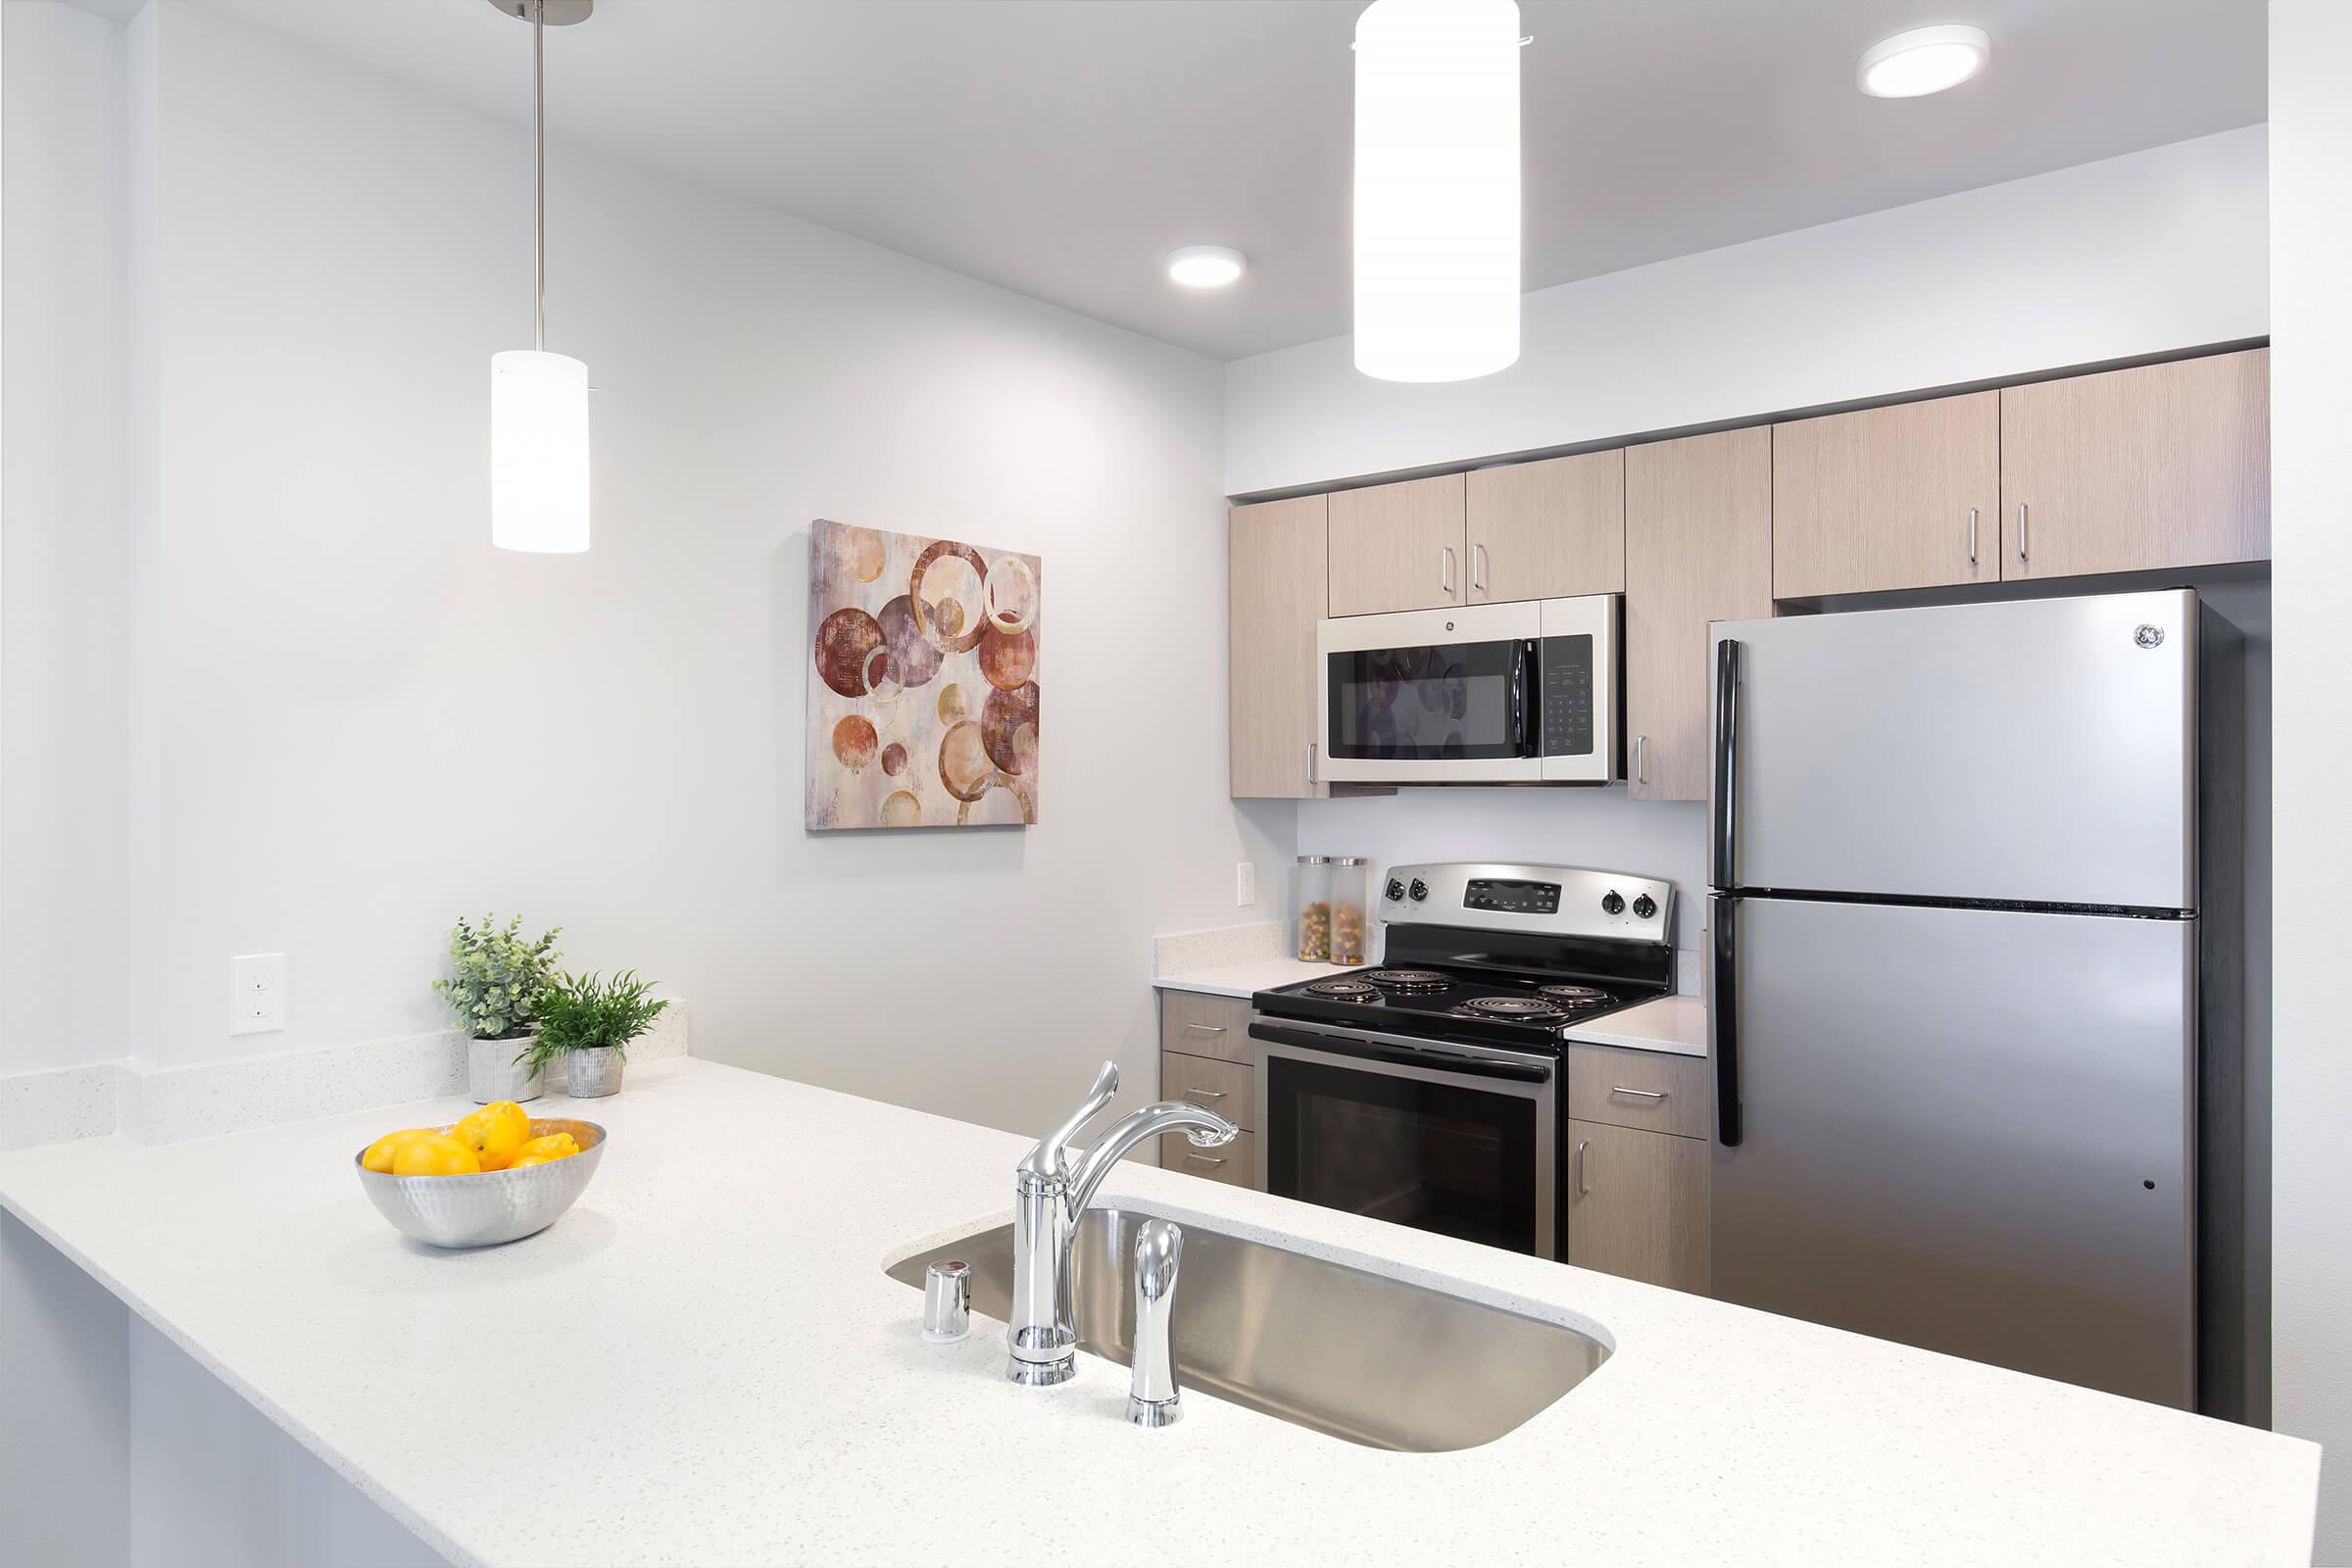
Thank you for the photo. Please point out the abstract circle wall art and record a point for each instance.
(923, 679)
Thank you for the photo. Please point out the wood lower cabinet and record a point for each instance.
(1200, 1023)
(1638, 1204)
(2158, 466)
(1698, 549)
(1278, 558)
(1547, 530)
(1399, 547)
(1901, 497)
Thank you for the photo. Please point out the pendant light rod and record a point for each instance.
(539, 173)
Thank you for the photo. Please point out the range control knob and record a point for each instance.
(1644, 907)
(1396, 889)
(1420, 890)
(1612, 903)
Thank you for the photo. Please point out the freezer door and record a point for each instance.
(2041, 751)
(1967, 1129)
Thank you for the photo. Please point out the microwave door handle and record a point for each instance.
(1724, 857)
(1523, 714)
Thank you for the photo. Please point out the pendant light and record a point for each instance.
(1436, 188)
(539, 401)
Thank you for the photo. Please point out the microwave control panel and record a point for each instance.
(1566, 673)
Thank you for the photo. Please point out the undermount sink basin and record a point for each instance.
(1356, 1356)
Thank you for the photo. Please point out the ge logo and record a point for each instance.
(2149, 636)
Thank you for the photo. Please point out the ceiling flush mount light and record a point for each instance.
(1206, 266)
(1436, 188)
(539, 401)
(1925, 60)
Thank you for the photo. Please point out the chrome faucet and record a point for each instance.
(1153, 1397)
(1049, 1198)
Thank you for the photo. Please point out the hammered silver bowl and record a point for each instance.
(494, 1206)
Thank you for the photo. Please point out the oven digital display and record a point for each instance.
(1513, 898)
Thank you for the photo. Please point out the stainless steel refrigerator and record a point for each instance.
(1965, 971)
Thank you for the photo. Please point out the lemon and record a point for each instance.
(435, 1154)
(553, 1145)
(378, 1157)
(496, 1133)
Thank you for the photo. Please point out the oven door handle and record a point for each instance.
(1401, 1056)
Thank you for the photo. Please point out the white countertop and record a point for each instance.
(1245, 979)
(749, 1388)
(1676, 1025)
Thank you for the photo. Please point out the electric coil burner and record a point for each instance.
(1432, 1090)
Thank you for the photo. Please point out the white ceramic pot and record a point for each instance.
(493, 1073)
(593, 1073)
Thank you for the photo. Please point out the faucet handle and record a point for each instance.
(1153, 1397)
(1047, 1161)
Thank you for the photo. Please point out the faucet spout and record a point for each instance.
(1205, 1128)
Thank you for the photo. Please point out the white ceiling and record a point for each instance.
(1059, 147)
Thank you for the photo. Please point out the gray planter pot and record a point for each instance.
(493, 1073)
(593, 1073)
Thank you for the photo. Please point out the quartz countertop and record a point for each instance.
(756, 1390)
(1676, 1025)
(1245, 979)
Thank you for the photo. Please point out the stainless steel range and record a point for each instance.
(1429, 1090)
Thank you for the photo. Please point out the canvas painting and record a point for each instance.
(923, 681)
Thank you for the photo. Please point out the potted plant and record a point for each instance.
(494, 985)
(587, 1022)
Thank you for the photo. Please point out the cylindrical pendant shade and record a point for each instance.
(1436, 188)
(538, 452)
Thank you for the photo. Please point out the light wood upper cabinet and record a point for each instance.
(1698, 549)
(2165, 466)
(1901, 497)
(1399, 547)
(1638, 1204)
(1547, 530)
(1277, 560)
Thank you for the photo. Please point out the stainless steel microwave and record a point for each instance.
(1524, 692)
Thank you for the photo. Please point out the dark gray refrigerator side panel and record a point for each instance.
(1970, 1131)
(2038, 751)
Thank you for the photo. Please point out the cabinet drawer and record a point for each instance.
(1228, 1087)
(1235, 1163)
(1194, 1023)
(1638, 1089)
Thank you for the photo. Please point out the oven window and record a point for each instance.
(1441, 1157)
(1453, 701)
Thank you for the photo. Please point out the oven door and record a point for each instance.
(1457, 1140)
(1430, 696)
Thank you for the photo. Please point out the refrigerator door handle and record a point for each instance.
(1723, 869)
(1722, 1016)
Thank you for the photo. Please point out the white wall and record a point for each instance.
(368, 721)
(2311, 472)
(64, 570)
(2153, 251)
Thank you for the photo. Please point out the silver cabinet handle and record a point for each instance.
(1972, 536)
(1206, 1028)
(1203, 1159)
(1310, 762)
(1206, 1094)
(1582, 1144)
(1478, 568)
(1639, 776)
(1646, 1093)
(2024, 537)
(1445, 570)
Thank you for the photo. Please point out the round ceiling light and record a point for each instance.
(1925, 60)
(1206, 266)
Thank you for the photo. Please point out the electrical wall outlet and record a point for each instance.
(259, 983)
(1245, 883)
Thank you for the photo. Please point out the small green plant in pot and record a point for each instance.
(586, 1022)
(495, 981)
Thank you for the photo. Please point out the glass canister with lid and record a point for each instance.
(1314, 909)
(1351, 902)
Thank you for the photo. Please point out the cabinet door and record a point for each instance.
(1638, 1204)
(1547, 530)
(1900, 497)
(1698, 549)
(1278, 556)
(2161, 467)
(1399, 547)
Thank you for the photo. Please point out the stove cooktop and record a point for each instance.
(1451, 1004)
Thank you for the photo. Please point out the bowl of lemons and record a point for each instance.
(497, 1176)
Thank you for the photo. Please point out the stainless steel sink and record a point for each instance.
(1356, 1356)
